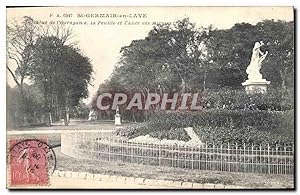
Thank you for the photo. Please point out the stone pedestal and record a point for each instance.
(92, 116)
(117, 119)
(259, 86)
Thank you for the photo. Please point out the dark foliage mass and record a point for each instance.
(58, 71)
(184, 58)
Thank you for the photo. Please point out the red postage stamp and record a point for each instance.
(31, 162)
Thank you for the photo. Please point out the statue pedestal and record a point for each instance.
(117, 119)
(259, 86)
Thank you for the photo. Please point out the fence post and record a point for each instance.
(178, 153)
(244, 153)
(268, 159)
(213, 158)
(77, 143)
(172, 156)
(109, 149)
(185, 156)
(277, 160)
(293, 149)
(285, 157)
(192, 159)
(221, 157)
(199, 163)
(252, 158)
(122, 151)
(142, 153)
(206, 161)
(236, 157)
(228, 157)
(159, 153)
(131, 152)
(260, 158)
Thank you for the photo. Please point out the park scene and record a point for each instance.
(185, 106)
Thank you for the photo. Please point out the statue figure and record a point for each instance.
(253, 69)
(117, 109)
(117, 116)
(92, 115)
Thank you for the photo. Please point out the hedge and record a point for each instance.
(264, 120)
(275, 100)
(172, 134)
(220, 125)
(249, 135)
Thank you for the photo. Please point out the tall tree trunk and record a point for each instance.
(47, 108)
(67, 111)
(133, 117)
(23, 104)
(183, 85)
(67, 116)
(282, 75)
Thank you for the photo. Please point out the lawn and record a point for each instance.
(53, 139)
(75, 125)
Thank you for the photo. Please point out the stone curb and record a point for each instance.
(142, 181)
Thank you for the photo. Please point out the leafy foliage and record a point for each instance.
(31, 106)
(243, 126)
(62, 72)
(182, 57)
(275, 100)
(248, 135)
(171, 134)
(230, 51)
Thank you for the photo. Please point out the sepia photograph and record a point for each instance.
(186, 97)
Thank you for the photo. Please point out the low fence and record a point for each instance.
(265, 159)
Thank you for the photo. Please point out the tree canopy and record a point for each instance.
(45, 55)
(183, 57)
(62, 71)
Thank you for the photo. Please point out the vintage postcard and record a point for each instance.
(150, 98)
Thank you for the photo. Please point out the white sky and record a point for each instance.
(102, 43)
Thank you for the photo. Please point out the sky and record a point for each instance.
(102, 41)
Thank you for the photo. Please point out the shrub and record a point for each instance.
(172, 134)
(249, 135)
(263, 120)
(230, 116)
(275, 100)
(244, 126)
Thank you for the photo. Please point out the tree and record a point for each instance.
(21, 38)
(20, 41)
(279, 64)
(181, 57)
(167, 59)
(63, 73)
(231, 51)
(32, 112)
(181, 49)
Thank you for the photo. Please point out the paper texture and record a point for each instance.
(150, 97)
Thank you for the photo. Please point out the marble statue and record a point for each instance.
(253, 69)
(117, 109)
(92, 115)
(117, 116)
(255, 82)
